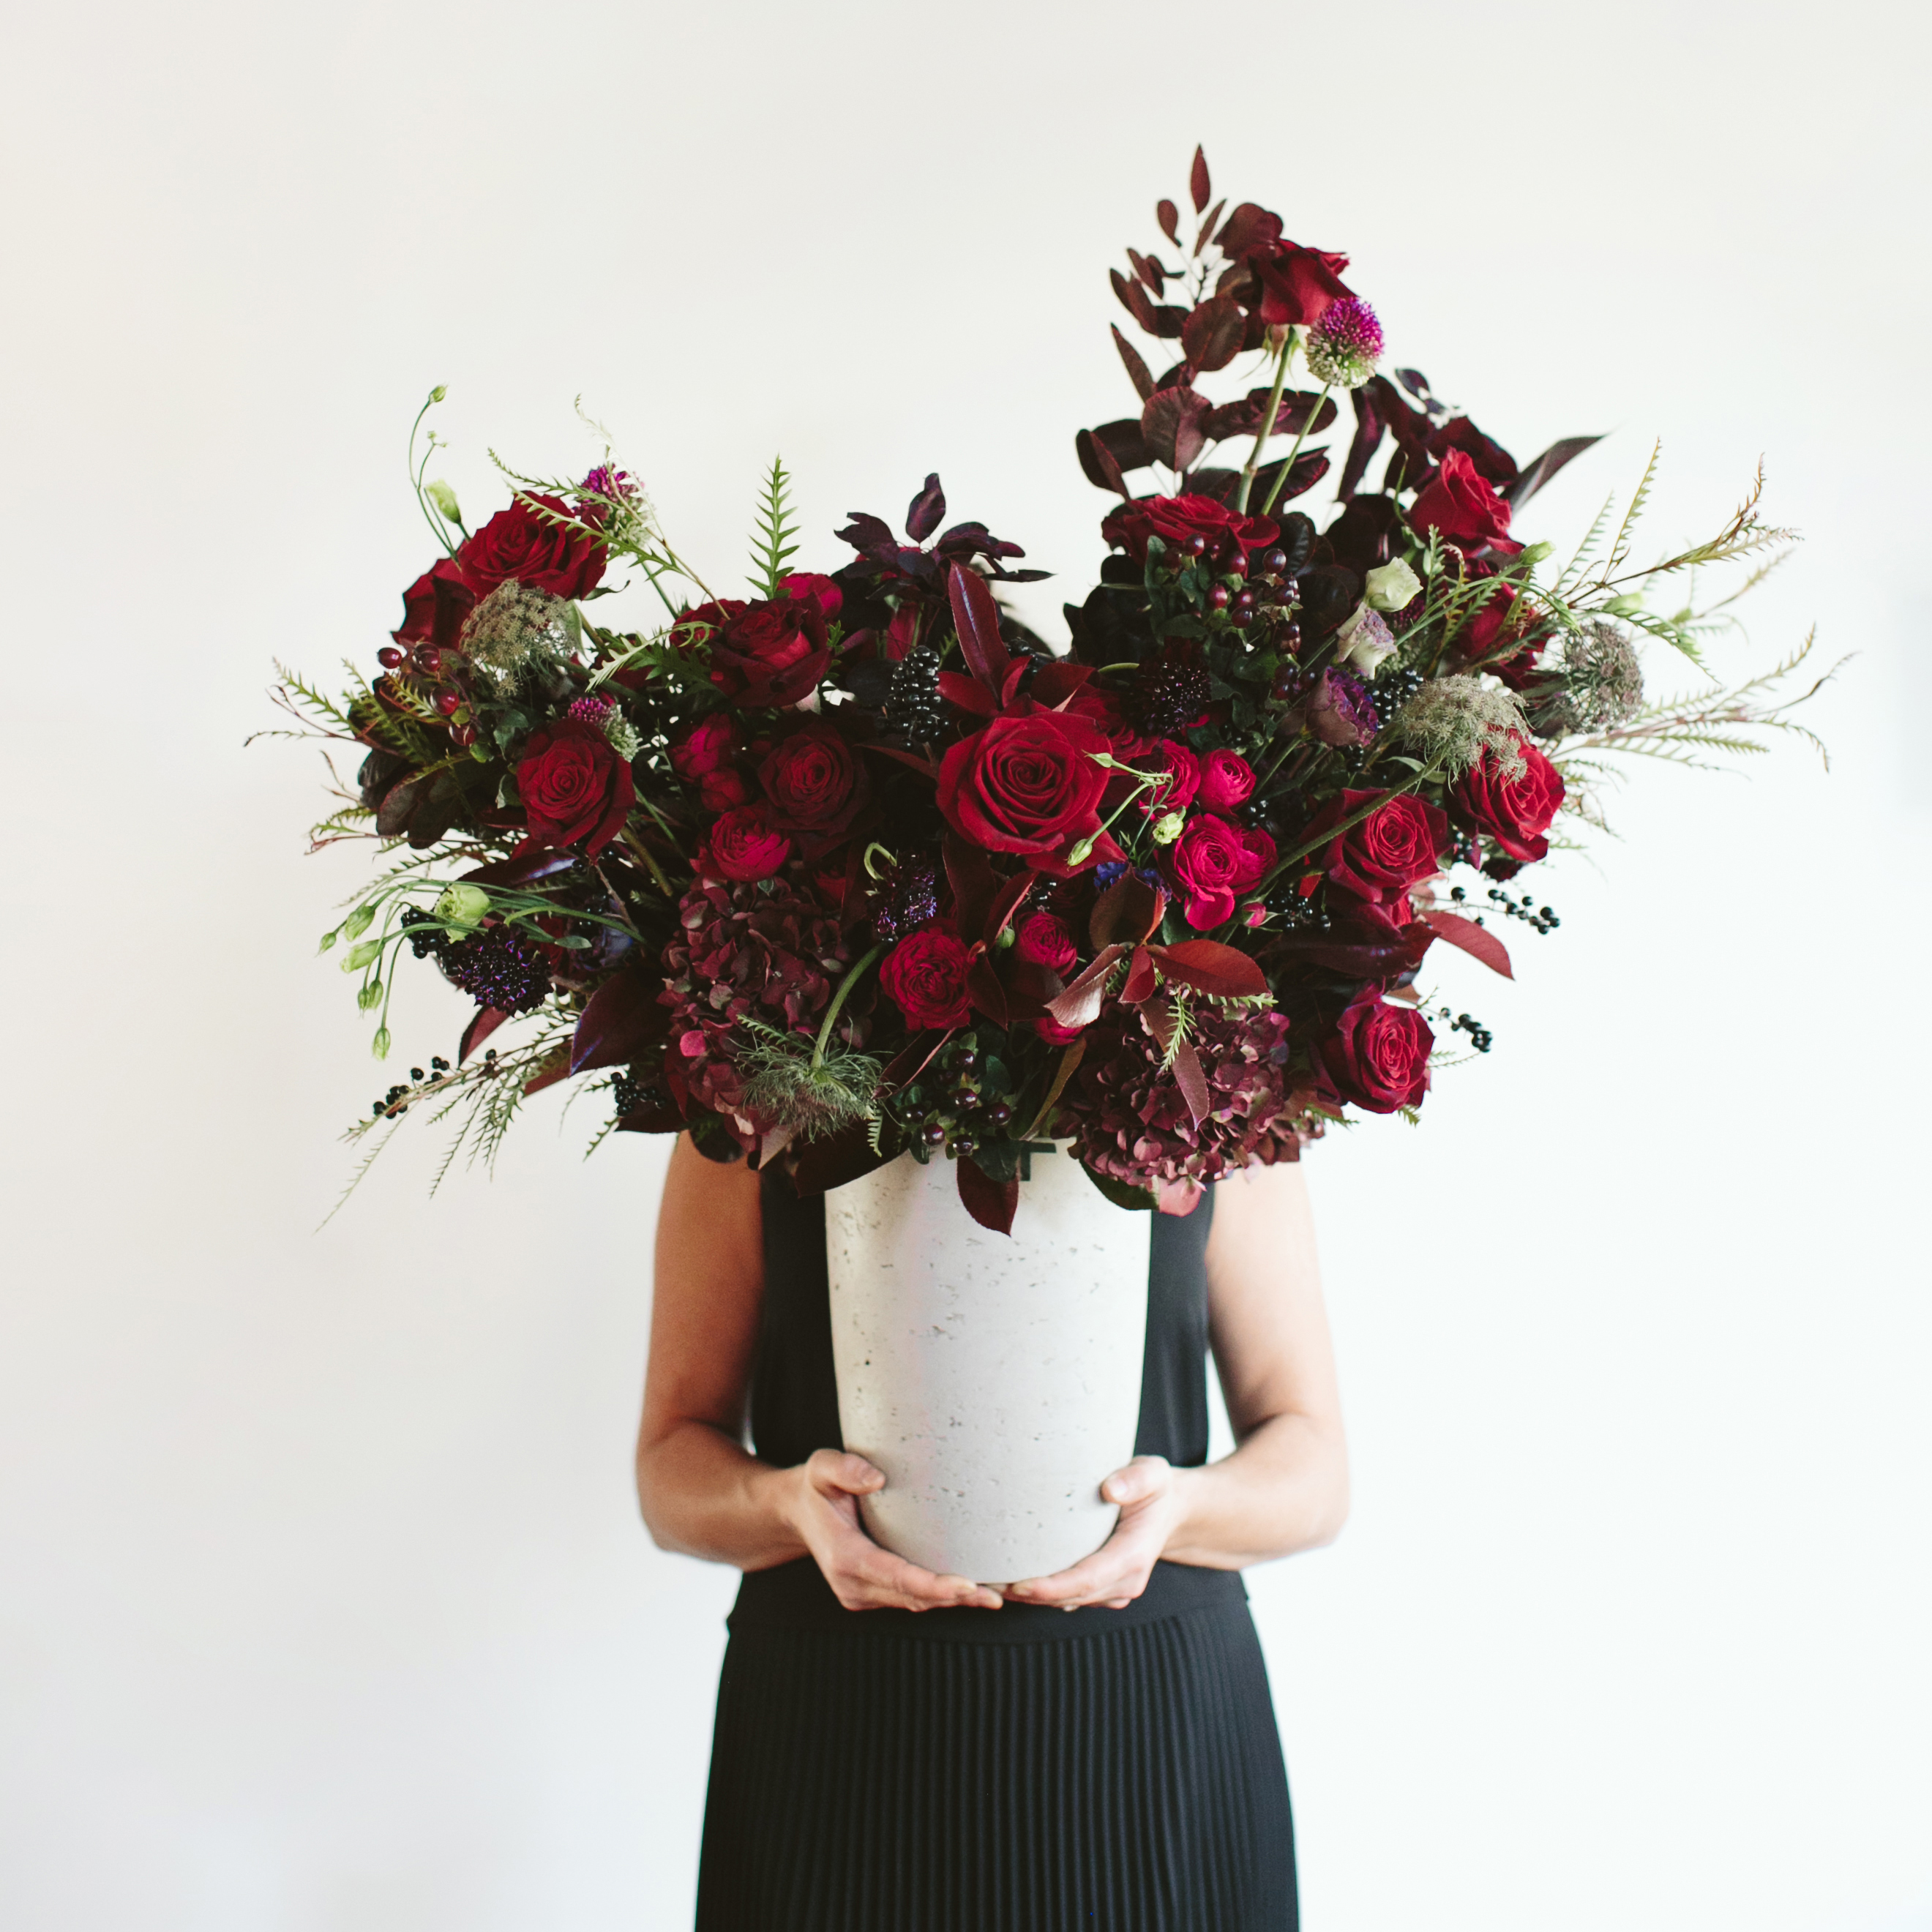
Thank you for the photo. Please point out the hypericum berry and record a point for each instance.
(1275, 562)
(933, 1133)
(1219, 597)
(464, 735)
(1171, 692)
(999, 1115)
(1196, 545)
(428, 659)
(389, 658)
(912, 698)
(448, 702)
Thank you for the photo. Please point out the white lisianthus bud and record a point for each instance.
(462, 905)
(1166, 829)
(444, 498)
(1392, 586)
(1364, 640)
(362, 955)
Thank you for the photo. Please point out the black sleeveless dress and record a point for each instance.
(1025, 1769)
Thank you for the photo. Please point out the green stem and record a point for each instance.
(1267, 429)
(1281, 475)
(838, 998)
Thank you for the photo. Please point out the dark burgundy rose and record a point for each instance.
(1027, 782)
(1042, 937)
(743, 846)
(1515, 812)
(1210, 862)
(721, 790)
(522, 544)
(1397, 846)
(1227, 533)
(826, 594)
(925, 976)
(435, 606)
(705, 748)
(1492, 627)
(813, 781)
(1377, 1054)
(770, 654)
(574, 786)
(1296, 285)
(1227, 781)
(1456, 502)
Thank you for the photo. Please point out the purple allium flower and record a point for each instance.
(1346, 343)
(591, 710)
(616, 486)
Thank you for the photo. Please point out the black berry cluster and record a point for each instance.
(1481, 1037)
(388, 1103)
(1538, 919)
(912, 699)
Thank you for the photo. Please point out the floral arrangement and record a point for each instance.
(857, 865)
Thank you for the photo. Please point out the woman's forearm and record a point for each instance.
(703, 1496)
(1285, 1489)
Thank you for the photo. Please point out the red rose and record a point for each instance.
(1395, 847)
(1042, 937)
(721, 790)
(809, 583)
(1227, 533)
(706, 747)
(574, 786)
(521, 543)
(1027, 782)
(1184, 777)
(770, 654)
(1458, 502)
(813, 781)
(744, 846)
(1210, 862)
(1293, 284)
(435, 606)
(1377, 1054)
(1054, 1034)
(1515, 812)
(926, 974)
(1227, 780)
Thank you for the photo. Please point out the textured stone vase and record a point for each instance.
(994, 1379)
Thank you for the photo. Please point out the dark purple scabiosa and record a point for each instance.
(1345, 344)
(1171, 692)
(1131, 1123)
(497, 968)
(907, 897)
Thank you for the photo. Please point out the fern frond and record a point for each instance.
(1587, 549)
(1627, 530)
(771, 545)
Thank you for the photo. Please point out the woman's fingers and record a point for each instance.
(838, 1469)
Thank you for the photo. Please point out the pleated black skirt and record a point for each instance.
(1128, 1779)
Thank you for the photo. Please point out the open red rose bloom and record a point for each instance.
(858, 864)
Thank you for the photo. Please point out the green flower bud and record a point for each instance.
(1621, 607)
(329, 939)
(437, 395)
(359, 921)
(366, 954)
(380, 1045)
(1392, 586)
(1535, 553)
(1167, 829)
(1081, 853)
(444, 498)
(1007, 936)
(370, 997)
(462, 905)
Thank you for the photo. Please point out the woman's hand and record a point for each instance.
(822, 1506)
(1150, 1494)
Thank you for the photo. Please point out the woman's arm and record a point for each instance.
(702, 1493)
(1285, 1487)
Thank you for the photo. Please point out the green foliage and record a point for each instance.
(772, 543)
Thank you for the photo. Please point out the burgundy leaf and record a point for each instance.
(840, 1157)
(1005, 903)
(970, 873)
(1055, 682)
(927, 511)
(1310, 467)
(968, 693)
(1125, 442)
(1249, 227)
(1477, 940)
(483, 1023)
(1197, 180)
(1370, 427)
(1168, 216)
(1142, 979)
(1171, 422)
(1127, 912)
(621, 1018)
(991, 1203)
(870, 536)
(1539, 472)
(1222, 972)
(976, 618)
(983, 989)
(1135, 300)
(1137, 370)
(1099, 465)
(392, 815)
(1191, 1080)
(1212, 335)
(1168, 321)
(549, 1078)
(1493, 463)
(1148, 270)
(1079, 1005)
(924, 765)
(1207, 222)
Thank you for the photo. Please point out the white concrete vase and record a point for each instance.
(994, 1379)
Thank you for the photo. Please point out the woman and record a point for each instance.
(897, 1751)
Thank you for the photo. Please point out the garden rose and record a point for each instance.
(1227, 780)
(1183, 777)
(1395, 846)
(435, 606)
(813, 781)
(1027, 782)
(1042, 937)
(706, 747)
(925, 976)
(1229, 533)
(743, 846)
(1377, 1054)
(1515, 812)
(770, 654)
(820, 588)
(1211, 863)
(1456, 502)
(574, 786)
(521, 543)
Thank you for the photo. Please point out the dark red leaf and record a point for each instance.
(1249, 226)
(1135, 300)
(1079, 1005)
(1197, 180)
(1168, 216)
(1149, 271)
(983, 989)
(924, 765)
(483, 1023)
(1477, 940)
(520, 871)
(1006, 902)
(1538, 472)
(991, 1203)
(1127, 912)
(970, 875)
(1222, 972)
(1207, 222)
(1212, 335)
(1125, 442)
(1137, 369)
(1310, 467)
(1169, 320)
(968, 693)
(1190, 1079)
(1492, 463)
(1370, 427)
(622, 1017)
(927, 511)
(1098, 464)
(841, 1157)
(539, 1081)
(976, 618)
(1171, 422)
(1053, 684)
(1142, 979)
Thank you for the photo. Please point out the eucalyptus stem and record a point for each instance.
(1267, 429)
(838, 998)
(1281, 475)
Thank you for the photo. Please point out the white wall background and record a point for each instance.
(323, 1602)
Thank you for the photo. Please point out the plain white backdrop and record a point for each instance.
(323, 1603)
